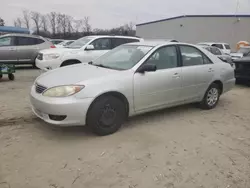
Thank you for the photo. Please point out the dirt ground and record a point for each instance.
(182, 147)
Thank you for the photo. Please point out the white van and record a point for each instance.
(82, 50)
(225, 48)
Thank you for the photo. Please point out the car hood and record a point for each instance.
(74, 74)
(58, 50)
(236, 54)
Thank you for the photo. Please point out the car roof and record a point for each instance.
(21, 35)
(210, 43)
(155, 43)
(245, 47)
(113, 36)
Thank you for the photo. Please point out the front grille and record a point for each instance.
(40, 56)
(40, 88)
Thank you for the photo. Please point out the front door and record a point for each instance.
(162, 87)
(8, 53)
(197, 73)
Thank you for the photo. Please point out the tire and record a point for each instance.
(67, 63)
(11, 76)
(211, 97)
(1, 76)
(106, 115)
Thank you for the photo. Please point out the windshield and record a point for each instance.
(80, 42)
(123, 57)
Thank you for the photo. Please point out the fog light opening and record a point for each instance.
(57, 117)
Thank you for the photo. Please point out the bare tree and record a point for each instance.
(44, 23)
(129, 26)
(69, 21)
(1, 22)
(26, 18)
(52, 19)
(86, 24)
(78, 24)
(36, 17)
(18, 22)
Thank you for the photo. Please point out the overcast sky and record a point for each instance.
(111, 13)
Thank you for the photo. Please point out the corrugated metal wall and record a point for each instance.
(199, 29)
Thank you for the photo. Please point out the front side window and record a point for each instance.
(192, 56)
(25, 41)
(5, 41)
(123, 57)
(164, 58)
(102, 44)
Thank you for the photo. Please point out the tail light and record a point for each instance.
(53, 46)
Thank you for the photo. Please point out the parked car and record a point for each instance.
(131, 79)
(82, 50)
(225, 48)
(56, 41)
(242, 52)
(64, 43)
(217, 52)
(21, 48)
(242, 69)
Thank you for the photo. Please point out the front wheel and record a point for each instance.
(211, 97)
(106, 115)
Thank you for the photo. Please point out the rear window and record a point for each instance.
(227, 46)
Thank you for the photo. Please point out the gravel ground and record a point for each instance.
(182, 147)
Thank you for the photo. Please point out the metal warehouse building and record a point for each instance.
(199, 28)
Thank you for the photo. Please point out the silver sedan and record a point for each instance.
(129, 80)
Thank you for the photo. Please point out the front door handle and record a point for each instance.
(210, 70)
(176, 75)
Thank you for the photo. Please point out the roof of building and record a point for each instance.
(11, 29)
(199, 16)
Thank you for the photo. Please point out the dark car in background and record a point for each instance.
(242, 69)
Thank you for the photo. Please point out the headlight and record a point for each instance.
(51, 56)
(63, 91)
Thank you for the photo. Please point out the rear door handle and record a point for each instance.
(12, 49)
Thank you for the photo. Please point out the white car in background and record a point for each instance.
(224, 47)
(64, 43)
(82, 50)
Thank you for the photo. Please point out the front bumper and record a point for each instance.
(73, 108)
(48, 64)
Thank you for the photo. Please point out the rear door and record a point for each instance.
(8, 50)
(26, 49)
(197, 72)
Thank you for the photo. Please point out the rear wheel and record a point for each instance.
(106, 115)
(1, 76)
(11, 76)
(211, 97)
(67, 63)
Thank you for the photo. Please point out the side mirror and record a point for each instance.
(90, 47)
(147, 68)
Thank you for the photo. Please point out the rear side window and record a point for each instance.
(192, 56)
(227, 46)
(26, 41)
(216, 51)
(118, 41)
(132, 40)
(218, 45)
(39, 41)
